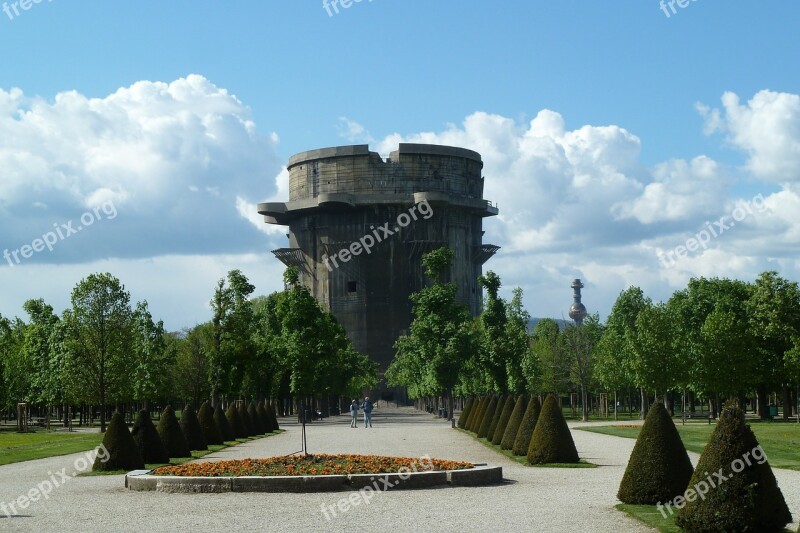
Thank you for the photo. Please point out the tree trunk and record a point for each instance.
(450, 405)
(584, 405)
(787, 402)
(763, 402)
(645, 404)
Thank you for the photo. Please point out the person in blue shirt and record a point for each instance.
(354, 414)
(367, 407)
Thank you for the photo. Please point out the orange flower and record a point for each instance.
(310, 465)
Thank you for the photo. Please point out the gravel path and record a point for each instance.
(536, 499)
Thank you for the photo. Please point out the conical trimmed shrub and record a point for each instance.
(255, 420)
(498, 411)
(192, 432)
(513, 423)
(551, 441)
(211, 432)
(232, 414)
(746, 497)
(659, 467)
(477, 418)
(244, 416)
(483, 429)
(476, 405)
(149, 444)
(505, 415)
(121, 449)
(225, 429)
(264, 416)
(271, 410)
(171, 435)
(462, 418)
(523, 439)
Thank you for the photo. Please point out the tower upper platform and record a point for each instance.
(353, 176)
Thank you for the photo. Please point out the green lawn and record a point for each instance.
(780, 440)
(650, 515)
(181, 460)
(16, 447)
(523, 460)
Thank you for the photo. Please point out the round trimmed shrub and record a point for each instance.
(171, 435)
(749, 499)
(235, 422)
(513, 423)
(211, 432)
(271, 410)
(255, 420)
(505, 415)
(122, 452)
(483, 429)
(523, 439)
(264, 416)
(551, 441)
(462, 418)
(225, 429)
(149, 444)
(659, 467)
(192, 432)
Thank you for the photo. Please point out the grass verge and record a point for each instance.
(780, 440)
(523, 460)
(649, 515)
(17, 447)
(197, 454)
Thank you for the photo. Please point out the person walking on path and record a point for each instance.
(354, 414)
(367, 407)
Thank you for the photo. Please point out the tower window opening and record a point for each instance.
(352, 286)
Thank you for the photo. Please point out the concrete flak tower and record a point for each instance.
(577, 310)
(359, 225)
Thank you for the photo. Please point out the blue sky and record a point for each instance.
(181, 114)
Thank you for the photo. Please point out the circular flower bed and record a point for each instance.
(310, 465)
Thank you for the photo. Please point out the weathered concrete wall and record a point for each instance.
(339, 195)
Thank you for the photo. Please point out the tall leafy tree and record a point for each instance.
(579, 346)
(621, 328)
(99, 337)
(441, 336)
(232, 322)
(494, 353)
(774, 309)
(151, 359)
(192, 348)
(654, 364)
(546, 369)
(516, 341)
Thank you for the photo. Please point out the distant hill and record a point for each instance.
(533, 321)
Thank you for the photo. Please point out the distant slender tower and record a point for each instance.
(577, 310)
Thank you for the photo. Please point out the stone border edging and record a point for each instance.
(142, 480)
